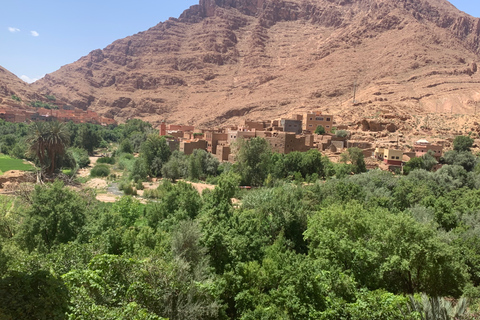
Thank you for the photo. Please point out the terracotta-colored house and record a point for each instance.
(422, 147)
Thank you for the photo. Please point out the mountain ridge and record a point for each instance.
(222, 59)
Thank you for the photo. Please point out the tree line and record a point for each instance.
(314, 240)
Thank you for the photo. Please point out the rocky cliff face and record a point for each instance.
(223, 59)
(11, 85)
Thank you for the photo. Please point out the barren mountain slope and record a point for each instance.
(11, 85)
(267, 58)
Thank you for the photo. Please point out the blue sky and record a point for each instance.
(39, 36)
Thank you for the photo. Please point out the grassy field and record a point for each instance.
(8, 163)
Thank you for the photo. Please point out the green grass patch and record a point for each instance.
(7, 163)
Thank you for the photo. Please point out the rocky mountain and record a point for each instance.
(267, 58)
(11, 85)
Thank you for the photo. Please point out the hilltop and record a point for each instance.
(263, 59)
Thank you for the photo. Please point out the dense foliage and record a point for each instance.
(314, 240)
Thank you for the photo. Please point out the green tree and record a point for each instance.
(56, 141)
(202, 164)
(155, 150)
(355, 157)
(462, 158)
(176, 167)
(254, 160)
(385, 250)
(56, 215)
(412, 164)
(38, 295)
(48, 141)
(320, 130)
(37, 143)
(125, 146)
(139, 170)
(88, 137)
(429, 160)
(136, 125)
(462, 143)
(77, 157)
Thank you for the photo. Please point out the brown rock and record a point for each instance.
(371, 125)
(391, 127)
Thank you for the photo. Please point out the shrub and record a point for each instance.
(151, 194)
(123, 184)
(109, 160)
(40, 104)
(100, 170)
(139, 185)
(125, 161)
(320, 130)
(126, 146)
(342, 133)
(79, 156)
(138, 170)
(129, 191)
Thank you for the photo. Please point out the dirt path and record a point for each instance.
(201, 186)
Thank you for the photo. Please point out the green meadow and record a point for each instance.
(7, 163)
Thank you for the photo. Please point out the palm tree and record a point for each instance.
(36, 141)
(57, 139)
(47, 141)
(437, 308)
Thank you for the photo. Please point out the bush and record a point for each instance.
(139, 185)
(151, 194)
(139, 170)
(19, 151)
(125, 161)
(100, 170)
(40, 104)
(320, 130)
(129, 191)
(123, 184)
(79, 156)
(342, 133)
(126, 146)
(109, 160)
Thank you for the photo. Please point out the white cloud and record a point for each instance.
(27, 79)
(34, 33)
(13, 30)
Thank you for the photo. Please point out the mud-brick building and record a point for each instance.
(311, 120)
(240, 133)
(188, 146)
(222, 151)
(213, 137)
(291, 125)
(256, 125)
(286, 142)
(422, 147)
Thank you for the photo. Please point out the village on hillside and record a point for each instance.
(62, 114)
(299, 132)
